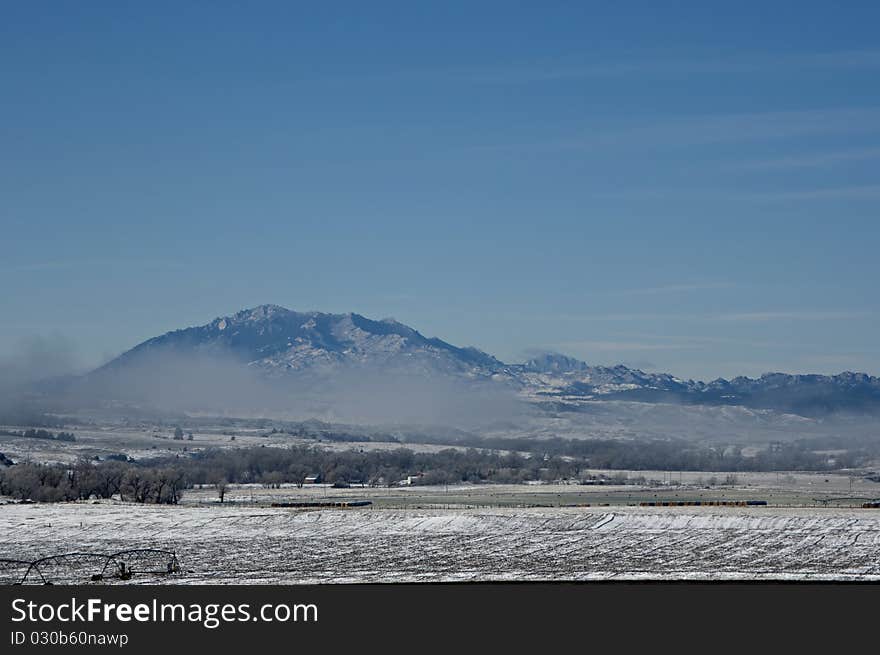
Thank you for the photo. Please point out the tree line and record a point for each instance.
(163, 480)
(683, 455)
(39, 434)
(374, 468)
(87, 479)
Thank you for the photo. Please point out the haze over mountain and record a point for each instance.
(270, 356)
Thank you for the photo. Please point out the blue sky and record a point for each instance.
(687, 188)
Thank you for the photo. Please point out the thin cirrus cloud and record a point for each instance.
(752, 125)
(763, 316)
(659, 290)
(706, 130)
(793, 316)
(831, 193)
(842, 359)
(729, 195)
(665, 66)
(673, 288)
(62, 265)
(714, 340)
(611, 317)
(625, 346)
(813, 160)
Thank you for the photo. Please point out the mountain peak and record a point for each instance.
(275, 341)
(555, 363)
(261, 312)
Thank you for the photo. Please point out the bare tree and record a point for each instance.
(297, 474)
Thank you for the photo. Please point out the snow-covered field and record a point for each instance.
(274, 545)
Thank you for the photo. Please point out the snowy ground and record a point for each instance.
(797, 489)
(143, 443)
(272, 545)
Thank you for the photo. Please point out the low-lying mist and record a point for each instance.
(37, 358)
(223, 385)
(209, 383)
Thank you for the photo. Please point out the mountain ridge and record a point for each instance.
(277, 342)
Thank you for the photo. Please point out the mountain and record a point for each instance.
(278, 344)
(278, 341)
(807, 395)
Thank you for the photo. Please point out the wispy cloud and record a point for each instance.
(624, 346)
(663, 65)
(813, 160)
(673, 288)
(713, 340)
(707, 129)
(70, 264)
(793, 316)
(641, 63)
(848, 192)
(762, 316)
(732, 195)
(756, 125)
(842, 360)
(612, 317)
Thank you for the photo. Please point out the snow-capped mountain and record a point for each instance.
(567, 380)
(278, 343)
